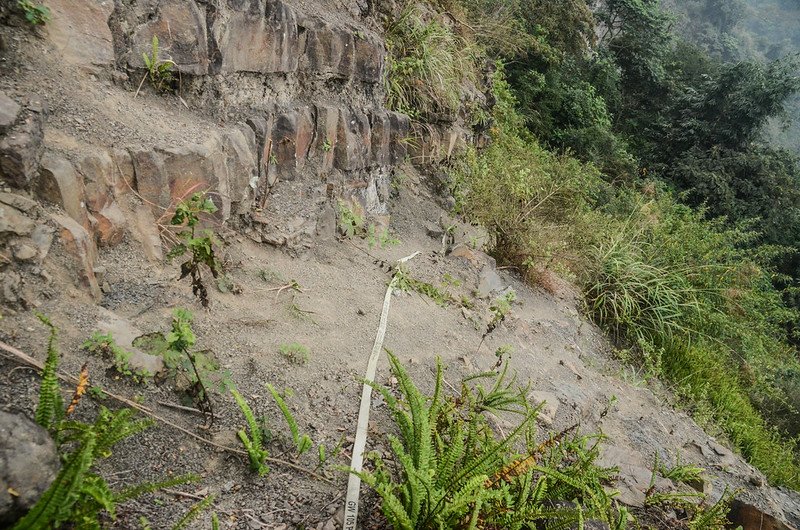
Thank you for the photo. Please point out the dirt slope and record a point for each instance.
(563, 356)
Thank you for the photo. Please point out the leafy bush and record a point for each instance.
(533, 203)
(35, 13)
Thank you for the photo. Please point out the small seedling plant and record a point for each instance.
(159, 70)
(199, 245)
(36, 14)
(197, 366)
(104, 344)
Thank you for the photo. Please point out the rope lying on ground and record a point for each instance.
(357, 462)
(30, 361)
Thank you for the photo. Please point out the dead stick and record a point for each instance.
(27, 359)
(181, 407)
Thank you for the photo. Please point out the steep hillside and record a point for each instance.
(263, 165)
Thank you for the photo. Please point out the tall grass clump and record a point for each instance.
(426, 65)
(703, 314)
(692, 297)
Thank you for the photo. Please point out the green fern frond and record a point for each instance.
(55, 505)
(250, 418)
(50, 410)
(302, 443)
(150, 487)
(193, 513)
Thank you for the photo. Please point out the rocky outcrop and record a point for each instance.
(21, 140)
(28, 465)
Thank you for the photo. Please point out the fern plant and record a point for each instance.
(50, 410)
(254, 443)
(158, 70)
(79, 495)
(451, 471)
(302, 442)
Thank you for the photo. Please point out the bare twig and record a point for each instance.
(181, 407)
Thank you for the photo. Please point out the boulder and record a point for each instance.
(353, 141)
(324, 149)
(257, 38)
(60, 184)
(28, 465)
(181, 30)
(98, 171)
(80, 245)
(748, 515)
(381, 128)
(80, 31)
(9, 112)
(110, 224)
(145, 231)
(329, 50)
(125, 334)
(489, 282)
(369, 57)
(292, 134)
(22, 147)
(241, 166)
(13, 222)
(400, 127)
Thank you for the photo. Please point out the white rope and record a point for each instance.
(357, 462)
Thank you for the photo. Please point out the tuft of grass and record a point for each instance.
(295, 353)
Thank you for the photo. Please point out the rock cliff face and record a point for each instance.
(293, 104)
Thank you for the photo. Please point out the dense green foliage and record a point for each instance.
(79, 496)
(636, 162)
(451, 471)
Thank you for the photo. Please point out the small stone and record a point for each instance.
(14, 222)
(24, 252)
(490, 282)
(463, 251)
(549, 403)
(435, 232)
